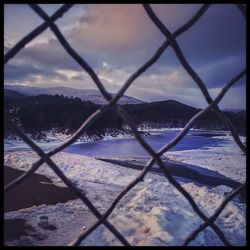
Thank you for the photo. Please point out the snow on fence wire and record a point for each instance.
(112, 104)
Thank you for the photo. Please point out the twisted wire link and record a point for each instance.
(39, 11)
(112, 103)
(192, 73)
(195, 76)
(194, 234)
(121, 112)
(37, 31)
(65, 180)
(160, 152)
(160, 51)
(29, 37)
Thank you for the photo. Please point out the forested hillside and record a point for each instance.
(43, 112)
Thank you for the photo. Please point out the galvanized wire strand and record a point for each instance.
(193, 204)
(70, 50)
(184, 131)
(65, 180)
(59, 148)
(25, 40)
(155, 157)
(147, 168)
(185, 27)
(112, 103)
(160, 51)
(203, 226)
(173, 43)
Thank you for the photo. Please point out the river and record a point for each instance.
(129, 147)
(127, 152)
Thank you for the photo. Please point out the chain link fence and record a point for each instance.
(49, 22)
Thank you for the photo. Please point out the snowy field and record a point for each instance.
(227, 158)
(152, 213)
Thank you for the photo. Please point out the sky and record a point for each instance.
(116, 39)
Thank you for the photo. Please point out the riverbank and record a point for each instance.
(186, 172)
(153, 213)
(225, 158)
(52, 138)
(207, 159)
(145, 215)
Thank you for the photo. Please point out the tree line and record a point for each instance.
(43, 112)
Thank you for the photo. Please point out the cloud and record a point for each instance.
(20, 70)
(221, 32)
(50, 54)
(218, 73)
(234, 98)
(116, 39)
(23, 71)
(114, 28)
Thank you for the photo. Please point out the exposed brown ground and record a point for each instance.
(32, 192)
(28, 193)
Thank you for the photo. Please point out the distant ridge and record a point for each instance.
(57, 111)
(91, 95)
(234, 110)
(13, 94)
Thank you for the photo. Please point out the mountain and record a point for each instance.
(13, 94)
(171, 113)
(13, 98)
(43, 112)
(234, 110)
(91, 95)
(161, 112)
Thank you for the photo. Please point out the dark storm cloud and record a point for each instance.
(12, 72)
(217, 42)
(220, 33)
(24, 71)
(52, 54)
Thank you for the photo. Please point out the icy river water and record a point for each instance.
(127, 152)
(129, 147)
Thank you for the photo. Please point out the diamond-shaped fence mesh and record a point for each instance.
(49, 22)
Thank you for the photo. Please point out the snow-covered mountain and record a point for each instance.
(91, 95)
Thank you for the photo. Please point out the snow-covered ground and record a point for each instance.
(152, 213)
(226, 158)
